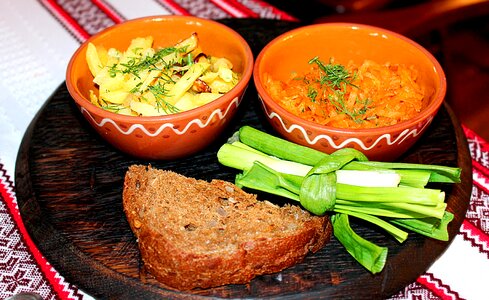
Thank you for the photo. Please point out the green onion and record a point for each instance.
(287, 150)
(261, 177)
(278, 147)
(397, 233)
(431, 227)
(369, 255)
(344, 183)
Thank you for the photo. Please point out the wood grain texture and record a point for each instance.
(69, 185)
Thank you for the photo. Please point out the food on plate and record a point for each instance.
(345, 183)
(197, 234)
(368, 95)
(147, 81)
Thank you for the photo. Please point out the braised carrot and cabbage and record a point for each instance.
(351, 96)
(148, 81)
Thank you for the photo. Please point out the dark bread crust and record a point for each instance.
(197, 234)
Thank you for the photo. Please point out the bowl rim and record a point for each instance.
(169, 118)
(431, 109)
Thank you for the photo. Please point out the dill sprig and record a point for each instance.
(312, 93)
(160, 92)
(139, 63)
(337, 100)
(110, 106)
(336, 78)
(334, 74)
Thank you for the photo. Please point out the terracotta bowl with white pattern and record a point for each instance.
(291, 52)
(170, 136)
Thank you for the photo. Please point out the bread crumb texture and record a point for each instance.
(197, 234)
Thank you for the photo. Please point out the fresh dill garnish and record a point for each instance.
(113, 70)
(165, 78)
(160, 92)
(337, 99)
(335, 78)
(110, 106)
(190, 59)
(136, 88)
(139, 63)
(312, 93)
(334, 74)
(365, 103)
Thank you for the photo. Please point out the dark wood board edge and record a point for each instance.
(464, 189)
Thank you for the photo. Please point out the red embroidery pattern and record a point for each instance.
(202, 8)
(475, 228)
(22, 270)
(437, 287)
(266, 11)
(85, 18)
(173, 6)
(235, 8)
(416, 291)
(81, 18)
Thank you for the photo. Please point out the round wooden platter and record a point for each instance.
(69, 184)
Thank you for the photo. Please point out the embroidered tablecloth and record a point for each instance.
(38, 38)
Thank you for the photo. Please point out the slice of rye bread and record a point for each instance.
(197, 234)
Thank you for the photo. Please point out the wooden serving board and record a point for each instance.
(69, 183)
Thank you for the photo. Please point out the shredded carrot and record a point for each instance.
(366, 96)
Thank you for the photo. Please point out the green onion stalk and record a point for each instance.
(345, 183)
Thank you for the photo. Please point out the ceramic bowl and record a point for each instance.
(291, 52)
(175, 135)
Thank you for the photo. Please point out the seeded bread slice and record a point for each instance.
(197, 234)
